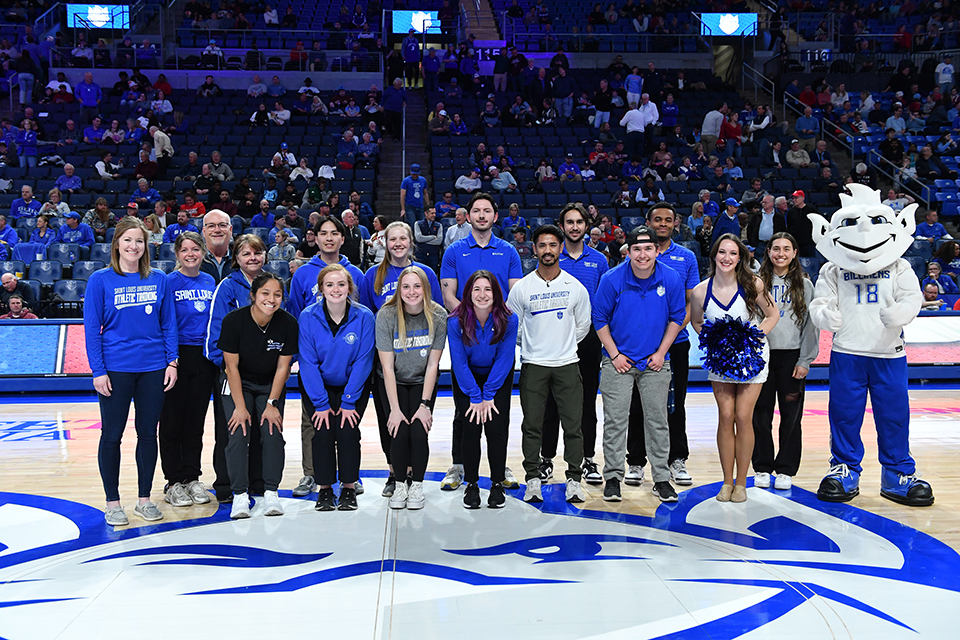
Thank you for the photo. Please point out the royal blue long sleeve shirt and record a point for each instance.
(496, 361)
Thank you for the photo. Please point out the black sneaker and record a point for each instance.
(591, 473)
(390, 487)
(664, 491)
(326, 501)
(611, 491)
(471, 496)
(545, 469)
(225, 497)
(497, 497)
(348, 499)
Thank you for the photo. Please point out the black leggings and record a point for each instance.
(781, 387)
(337, 446)
(184, 412)
(409, 448)
(382, 407)
(497, 429)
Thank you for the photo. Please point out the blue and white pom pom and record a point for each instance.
(732, 348)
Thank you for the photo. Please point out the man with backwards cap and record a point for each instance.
(728, 221)
(413, 196)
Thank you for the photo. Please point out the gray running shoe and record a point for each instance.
(197, 492)
(148, 511)
(306, 486)
(178, 497)
(116, 517)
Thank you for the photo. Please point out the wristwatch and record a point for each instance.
(272, 402)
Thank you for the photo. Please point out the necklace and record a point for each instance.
(545, 280)
(263, 329)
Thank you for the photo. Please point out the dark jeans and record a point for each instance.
(781, 387)
(336, 447)
(589, 351)
(677, 419)
(635, 143)
(393, 122)
(238, 443)
(146, 391)
(410, 447)
(221, 433)
(536, 383)
(497, 429)
(184, 412)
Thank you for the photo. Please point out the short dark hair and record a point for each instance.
(547, 230)
(480, 195)
(342, 228)
(662, 205)
(573, 206)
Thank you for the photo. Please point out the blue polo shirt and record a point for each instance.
(587, 269)
(684, 262)
(638, 311)
(88, 94)
(415, 190)
(465, 256)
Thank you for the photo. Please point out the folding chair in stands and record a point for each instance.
(811, 266)
(70, 290)
(627, 223)
(528, 265)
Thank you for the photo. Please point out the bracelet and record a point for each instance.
(174, 365)
(427, 403)
(616, 356)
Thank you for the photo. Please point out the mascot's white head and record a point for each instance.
(864, 236)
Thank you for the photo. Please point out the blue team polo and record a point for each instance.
(684, 262)
(465, 257)
(587, 269)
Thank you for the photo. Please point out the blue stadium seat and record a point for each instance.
(67, 254)
(629, 222)
(165, 252)
(528, 265)
(919, 265)
(100, 251)
(166, 266)
(262, 232)
(278, 267)
(46, 271)
(920, 248)
(29, 251)
(70, 290)
(13, 266)
(83, 269)
(34, 286)
(811, 267)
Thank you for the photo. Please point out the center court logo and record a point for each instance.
(704, 569)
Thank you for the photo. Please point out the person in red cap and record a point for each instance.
(800, 226)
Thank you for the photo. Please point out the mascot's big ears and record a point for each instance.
(864, 236)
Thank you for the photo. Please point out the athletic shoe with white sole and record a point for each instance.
(148, 511)
(497, 497)
(116, 517)
(177, 496)
(761, 480)
(453, 479)
(415, 495)
(634, 476)
(198, 493)
(358, 487)
(348, 499)
(545, 469)
(389, 487)
(611, 491)
(664, 491)
(591, 473)
(471, 496)
(326, 500)
(509, 480)
(241, 507)
(533, 493)
(305, 487)
(783, 482)
(575, 494)
(271, 504)
(678, 471)
(399, 498)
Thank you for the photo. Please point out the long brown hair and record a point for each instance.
(384, 265)
(746, 279)
(794, 277)
(429, 306)
(126, 224)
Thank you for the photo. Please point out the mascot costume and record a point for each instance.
(865, 295)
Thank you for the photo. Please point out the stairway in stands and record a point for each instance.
(393, 168)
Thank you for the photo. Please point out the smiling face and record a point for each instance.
(548, 249)
(269, 298)
(482, 215)
(643, 257)
(398, 244)
(330, 239)
(727, 257)
(131, 246)
(864, 235)
(782, 253)
(411, 293)
(482, 295)
(190, 254)
(250, 261)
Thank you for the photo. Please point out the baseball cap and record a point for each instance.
(442, 112)
(477, 169)
(415, 168)
(798, 194)
(634, 236)
(283, 145)
(732, 202)
(72, 214)
(453, 81)
(794, 141)
(569, 155)
(751, 249)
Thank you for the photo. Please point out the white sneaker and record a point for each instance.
(575, 492)
(634, 476)
(271, 504)
(533, 493)
(783, 482)
(399, 498)
(197, 492)
(453, 479)
(678, 471)
(178, 497)
(241, 507)
(415, 496)
(509, 480)
(761, 480)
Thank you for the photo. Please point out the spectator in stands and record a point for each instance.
(264, 219)
(27, 144)
(519, 242)
(944, 72)
(43, 234)
(796, 157)
(191, 207)
(26, 206)
(181, 225)
(220, 169)
(800, 226)
(806, 130)
(931, 230)
(931, 298)
(569, 170)
(863, 174)
(897, 201)
(146, 168)
(896, 121)
(11, 286)
(891, 149)
(731, 135)
(100, 218)
(280, 116)
(728, 222)
(461, 229)
(394, 98)
(89, 95)
(93, 134)
(410, 51)
(440, 126)
(754, 193)
(163, 107)
(936, 277)
(829, 184)
(69, 182)
(761, 226)
(948, 257)
(257, 88)
(563, 91)
(513, 218)
(54, 206)
(648, 193)
(712, 124)
(281, 250)
(8, 235)
(468, 184)
(930, 168)
(72, 231)
(502, 182)
(17, 309)
(719, 181)
(145, 195)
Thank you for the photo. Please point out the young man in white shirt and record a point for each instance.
(554, 312)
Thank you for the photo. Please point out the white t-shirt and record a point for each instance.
(944, 73)
(554, 317)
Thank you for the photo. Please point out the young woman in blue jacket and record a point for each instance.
(482, 335)
(130, 327)
(336, 357)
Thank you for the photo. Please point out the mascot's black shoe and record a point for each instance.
(842, 484)
(905, 489)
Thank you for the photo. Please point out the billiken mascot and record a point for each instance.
(865, 295)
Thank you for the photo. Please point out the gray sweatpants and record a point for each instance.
(616, 390)
(238, 445)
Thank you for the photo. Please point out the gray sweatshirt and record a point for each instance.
(410, 359)
(787, 334)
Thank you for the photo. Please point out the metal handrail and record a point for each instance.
(510, 34)
(878, 162)
(760, 83)
(849, 147)
(304, 34)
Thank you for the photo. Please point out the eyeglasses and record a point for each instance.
(217, 225)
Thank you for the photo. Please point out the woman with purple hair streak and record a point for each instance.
(482, 334)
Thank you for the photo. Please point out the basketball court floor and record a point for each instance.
(782, 565)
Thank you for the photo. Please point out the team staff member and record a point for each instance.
(587, 265)
(130, 326)
(258, 343)
(478, 250)
(639, 311)
(662, 219)
(304, 291)
(554, 313)
(411, 332)
(378, 286)
(483, 335)
(336, 357)
(233, 292)
(185, 406)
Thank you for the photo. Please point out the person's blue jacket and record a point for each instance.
(175, 229)
(509, 223)
(496, 361)
(151, 194)
(27, 142)
(344, 360)
(232, 293)
(944, 283)
(20, 209)
(9, 236)
(725, 224)
(262, 222)
(82, 235)
(72, 183)
(303, 287)
(46, 239)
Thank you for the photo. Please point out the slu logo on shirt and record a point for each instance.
(273, 345)
(350, 338)
(661, 291)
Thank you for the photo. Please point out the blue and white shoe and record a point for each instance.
(841, 484)
(905, 489)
